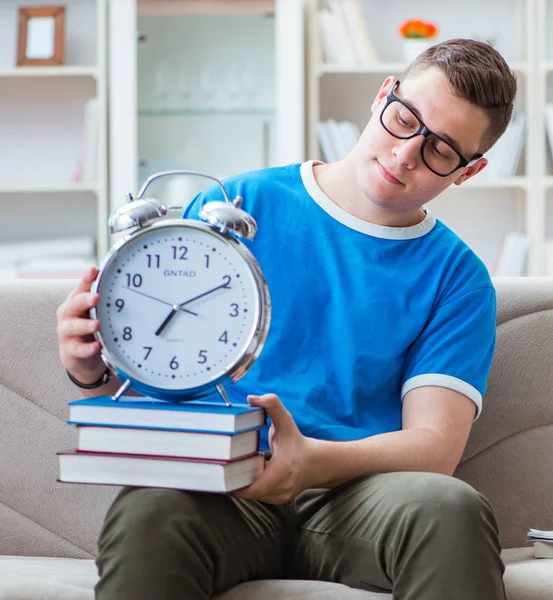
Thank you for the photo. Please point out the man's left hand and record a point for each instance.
(286, 474)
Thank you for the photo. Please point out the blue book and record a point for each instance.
(195, 415)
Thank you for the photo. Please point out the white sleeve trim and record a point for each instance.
(446, 381)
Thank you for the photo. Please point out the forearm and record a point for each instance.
(332, 463)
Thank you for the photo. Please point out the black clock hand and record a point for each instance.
(178, 307)
(223, 285)
(158, 299)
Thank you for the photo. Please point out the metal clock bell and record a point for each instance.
(184, 306)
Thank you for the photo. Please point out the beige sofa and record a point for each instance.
(48, 530)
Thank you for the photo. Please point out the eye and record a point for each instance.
(443, 150)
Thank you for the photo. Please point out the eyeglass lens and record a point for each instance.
(402, 123)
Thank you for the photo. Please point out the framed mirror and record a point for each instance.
(41, 36)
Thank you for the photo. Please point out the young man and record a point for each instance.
(382, 336)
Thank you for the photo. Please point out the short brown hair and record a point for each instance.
(478, 73)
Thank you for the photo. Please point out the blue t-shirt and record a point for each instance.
(361, 313)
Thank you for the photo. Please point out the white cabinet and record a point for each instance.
(216, 88)
(484, 210)
(42, 123)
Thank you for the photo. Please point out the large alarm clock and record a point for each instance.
(183, 306)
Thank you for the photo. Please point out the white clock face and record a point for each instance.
(178, 307)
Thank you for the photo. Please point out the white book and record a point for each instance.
(327, 36)
(336, 137)
(157, 471)
(341, 33)
(327, 146)
(357, 27)
(512, 257)
(349, 133)
(163, 442)
(516, 142)
(543, 542)
(17, 253)
(55, 268)
(86, 169)
(498, 153)
(543, 549)
(549, 126)
(549, 257)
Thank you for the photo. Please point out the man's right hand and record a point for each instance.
(79, 351)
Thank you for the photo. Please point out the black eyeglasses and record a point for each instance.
(438, 155)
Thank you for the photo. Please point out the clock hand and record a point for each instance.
(159, 300)
(178, 307)
(223, 285)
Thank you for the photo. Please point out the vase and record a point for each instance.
(412, 47)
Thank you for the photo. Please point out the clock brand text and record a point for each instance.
(178, 273)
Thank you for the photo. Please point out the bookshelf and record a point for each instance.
(42, 122)
(208, 86)
(483, 211)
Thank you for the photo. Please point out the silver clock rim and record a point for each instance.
(259, 334)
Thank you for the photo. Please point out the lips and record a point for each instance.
(389, 176)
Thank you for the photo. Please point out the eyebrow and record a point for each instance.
(444, 136)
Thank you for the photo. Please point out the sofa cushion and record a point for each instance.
(29, 578)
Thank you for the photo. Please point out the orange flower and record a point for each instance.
(417, 28)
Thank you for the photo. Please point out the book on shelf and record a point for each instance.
(543, 542)
(512, 256)
(504, 156)
(357, 27)
(59, 258)
(549, 126)
(54, 268)
(343, 33)
(17, 253)
(86, 167)
(336, 138)
(549, 257)
(159, 471)
(167, 442)
(195, 415)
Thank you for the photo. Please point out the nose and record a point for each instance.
(408, 152)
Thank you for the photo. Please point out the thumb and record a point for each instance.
(278, 414)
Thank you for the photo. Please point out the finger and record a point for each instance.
(78, 305)
(85, 282)
(280, 417)
(70, 328)
(79, 349)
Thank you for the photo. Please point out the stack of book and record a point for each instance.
(543, 542)
(202, 446)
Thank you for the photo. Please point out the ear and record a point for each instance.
(472, 171)
(383, 92)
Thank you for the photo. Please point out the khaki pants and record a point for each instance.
(421, 535)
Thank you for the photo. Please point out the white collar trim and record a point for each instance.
(380, 231)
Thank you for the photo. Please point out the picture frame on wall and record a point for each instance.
(41, 36)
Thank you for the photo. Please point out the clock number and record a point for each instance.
(206, 261)
(226, 279)
(174, 364)
(127, 334)
(156, 261)
(180, 249)
(119, 303)
(202, 358)
(134, 280)
(234, 312)
(148, 350)
(224, 337)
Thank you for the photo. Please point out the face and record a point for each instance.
(390, 171)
